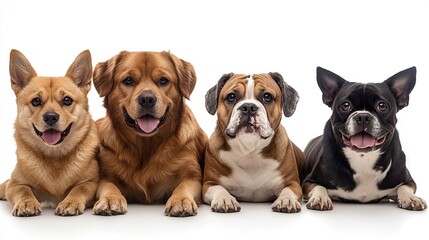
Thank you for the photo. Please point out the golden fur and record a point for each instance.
(155, 167)
(60, 170)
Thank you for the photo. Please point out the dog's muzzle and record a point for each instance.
(248, 118)
(146, 123)
(52, 136)
(363, 132)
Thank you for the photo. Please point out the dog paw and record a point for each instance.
(286, 205)
(180, 207)
(321, 203)
(412, 203)
(26, 208)
(226, 204)
(69, 208)
(111, 205)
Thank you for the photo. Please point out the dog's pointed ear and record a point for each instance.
(401, 84)
(330, 83)
(80, 71)
(290, 96)
(212, 94)
(186, 75)
(104, 73)
(21, 71)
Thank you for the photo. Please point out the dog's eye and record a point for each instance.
(36, 102)
(346, 106)
(67, 101)
(382, 106)
(267, 97)
(128, 81)
(163, 81)
(231, 98)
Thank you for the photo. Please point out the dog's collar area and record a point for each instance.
(53, 132)
(134, 124)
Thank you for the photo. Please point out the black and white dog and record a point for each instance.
(359, 156)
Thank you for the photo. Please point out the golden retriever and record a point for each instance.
(152, 147)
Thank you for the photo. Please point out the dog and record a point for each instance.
(249, 156)
(359, 156)
(152, 148)
(56, 140)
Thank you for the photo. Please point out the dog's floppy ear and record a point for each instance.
(212, 94)
(104, 73)
(330, 83)
(80, 71)
(401, 84)
(186, 75)
(290, 96)
(21, 71)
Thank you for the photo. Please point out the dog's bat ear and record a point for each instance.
(21, 71)
(80, 71)
(330, 83)
(185, 73)
(104, 73)
(401, 84)
(290, 96)
(212, 94)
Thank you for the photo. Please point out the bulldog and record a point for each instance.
(359, 156)
(249, 156)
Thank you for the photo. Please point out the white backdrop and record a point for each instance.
(364, 41)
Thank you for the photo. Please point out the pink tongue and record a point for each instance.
(363, 140)
(148, 123)
(51, 136)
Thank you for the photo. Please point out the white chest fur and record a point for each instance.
(254, 178)
(366, 177)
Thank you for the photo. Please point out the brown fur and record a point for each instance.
(148, 167)
(65, 173)
(280, 148)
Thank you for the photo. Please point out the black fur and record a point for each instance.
(326, 164)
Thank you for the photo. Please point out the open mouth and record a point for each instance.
(145, 124)
(53, 136)
(363, 141)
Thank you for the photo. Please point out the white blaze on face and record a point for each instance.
(259, 123)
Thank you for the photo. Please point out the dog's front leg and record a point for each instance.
(77, 199)
(23, 201)
(183, 201)
(407, 198)
(289, 199)
(318, 198)
(110, 200)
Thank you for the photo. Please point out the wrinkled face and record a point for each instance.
(142, 89)
(250, 105)
(50, 109)
(364, 116)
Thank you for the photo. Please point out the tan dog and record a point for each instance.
(250, 157)
(56, 140)
(151, 143)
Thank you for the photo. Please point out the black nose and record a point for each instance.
(51, 118)
(248, 109)
(363, 119)
(147, 100)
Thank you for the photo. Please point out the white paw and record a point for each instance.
(221, 200)
(286, 204)
(225, 205)
(412, 203)
(319, 199)
(408, 200)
